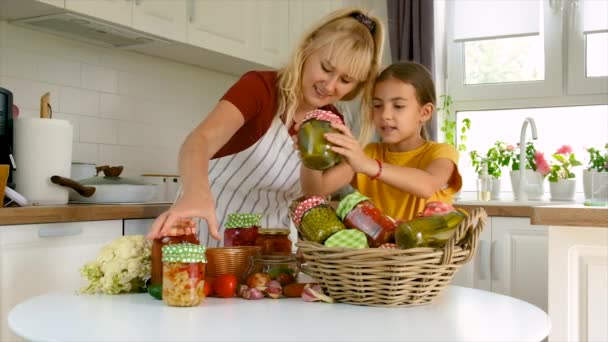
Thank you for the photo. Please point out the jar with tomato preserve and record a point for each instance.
(315, 150)
(315, 219)
(274, 241)
(183, 274)
(241, 229)
(156, 258)
(358, 212)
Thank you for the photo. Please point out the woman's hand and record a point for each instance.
(346, 145)
(179, 220)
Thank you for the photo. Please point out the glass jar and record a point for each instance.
(283, 268)
(315, 150)
(156, 258)
(183, 274)
(432, 231)
(241, 229)
(274, 241)
(315, 219)
(359, 212)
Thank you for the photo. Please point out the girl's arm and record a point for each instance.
(196, 151)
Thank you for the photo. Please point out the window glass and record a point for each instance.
(579, 127)
(504, 60)
(597, 54)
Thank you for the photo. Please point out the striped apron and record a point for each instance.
(264, 179)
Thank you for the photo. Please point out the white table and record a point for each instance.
(460, 314)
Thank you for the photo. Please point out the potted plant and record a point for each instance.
(495, 158)
(449, 128)
(535, 176)
(595, 176)
(562, 184)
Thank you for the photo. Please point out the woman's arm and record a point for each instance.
(196, 151)
(324, 183)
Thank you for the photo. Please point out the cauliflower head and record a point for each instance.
(122, 266)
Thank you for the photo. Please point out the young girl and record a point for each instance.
(404, 171)
(239, 159)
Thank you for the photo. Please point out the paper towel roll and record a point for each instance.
(43, 148)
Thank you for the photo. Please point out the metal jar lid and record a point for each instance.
(273, 231)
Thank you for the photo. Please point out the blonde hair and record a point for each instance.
(347, 41)
(411, 73)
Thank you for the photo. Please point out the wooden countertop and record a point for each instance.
(80, 212)
(573, 215)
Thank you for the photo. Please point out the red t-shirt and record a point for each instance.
(255, 94)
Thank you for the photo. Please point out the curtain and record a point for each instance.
(410, 30)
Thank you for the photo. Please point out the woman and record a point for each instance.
(245, 142)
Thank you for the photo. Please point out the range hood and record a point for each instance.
(90, 30)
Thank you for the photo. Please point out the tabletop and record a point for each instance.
(459, 314)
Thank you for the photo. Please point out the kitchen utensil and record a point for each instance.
(45, 106)
(108, 189)
(43, 148)
(168, 186)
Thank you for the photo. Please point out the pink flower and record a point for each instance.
(564, 150)
(511, 148)
(542, 166)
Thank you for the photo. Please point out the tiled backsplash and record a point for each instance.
(127, 108)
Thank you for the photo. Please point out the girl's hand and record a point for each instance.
(179, 220)
(346, 145)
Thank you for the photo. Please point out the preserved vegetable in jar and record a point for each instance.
(283, 268)
(431, 231)
(156, 258)
(183, 274)
(315, 219)
(314, 148)
(241, 229)
(274, 241)
(358, 212)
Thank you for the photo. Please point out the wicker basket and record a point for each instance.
(392, 277)
(229, 260)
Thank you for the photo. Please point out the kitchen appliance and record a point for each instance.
(6, 133)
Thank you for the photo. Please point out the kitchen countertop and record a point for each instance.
(570, 215)
(507, 206)
(80, 212)
(459, 314)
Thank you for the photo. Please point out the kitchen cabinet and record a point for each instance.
(38, 258)
(511, 259)
(304, 14)
(164, 18)
(116, 11)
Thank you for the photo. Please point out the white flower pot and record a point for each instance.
(495, 193)
(563, 189)
(595, 185)
(534, 184)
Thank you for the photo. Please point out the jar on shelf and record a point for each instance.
(241, 229)
(315, 219)
(431, 231)
(156, 271)
(283, 268)
(183, 274)
(315, 150)
(359, 212)
(274, 241)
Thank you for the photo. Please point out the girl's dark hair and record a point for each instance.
(415, 74)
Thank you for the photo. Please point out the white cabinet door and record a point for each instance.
(38, 258)
(116, 11)
(477, 272)
(271, 42)
(520, 260)
(224, 26)
(304, 14)
(137, 226)
(164, 18)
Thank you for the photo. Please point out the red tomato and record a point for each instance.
(225, 285)
(207, 289)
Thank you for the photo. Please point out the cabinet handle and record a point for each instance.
(484, 262)
(59, 232)
(190, 10)
(496, 261)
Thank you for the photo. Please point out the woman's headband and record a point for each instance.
(365, 20)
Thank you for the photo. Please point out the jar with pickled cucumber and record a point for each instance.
(432, 231)
(359, 212)
(315, 219)
(315, 150)
(183, 274)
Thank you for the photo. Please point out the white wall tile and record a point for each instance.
(59, 71)
(78, 101)
(100, 131)
(85, 153)
(116, 106)
(99, 78)
(19, 64)
(26, 93)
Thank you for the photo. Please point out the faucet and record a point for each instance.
(523, 194)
